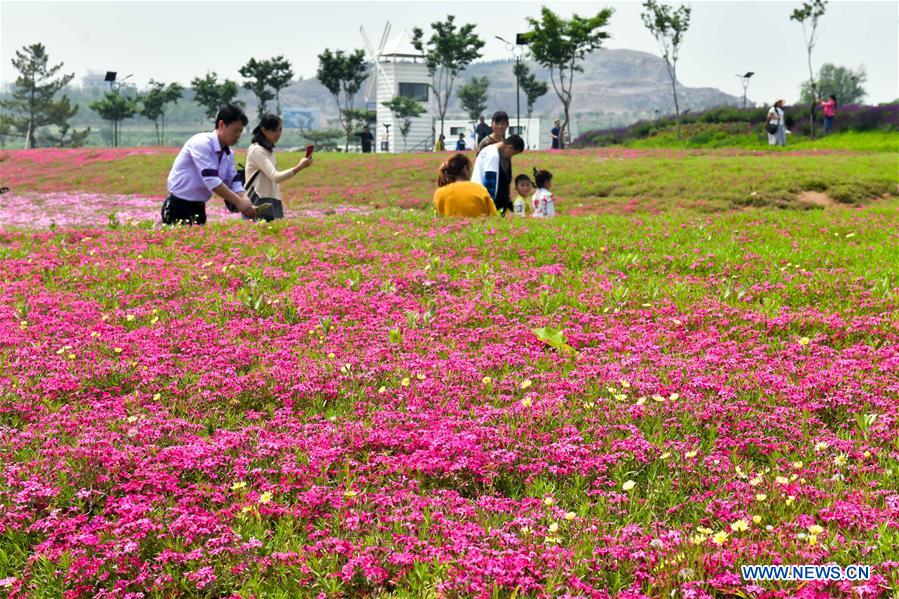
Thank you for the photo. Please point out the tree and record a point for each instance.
(808, 16)
(280, 77)
(532, 87)
(844, 83)
(558, 44)
(115, 108)
(404, 109)
(258, 73)
(212, 95)
(342, 75)
(32, 104)
(473, 96)
(668, 25)
(447, 53)
(155, 101)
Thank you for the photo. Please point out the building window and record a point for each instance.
(416, 91)
(455, 131)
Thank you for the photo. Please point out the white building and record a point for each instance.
(534, 132)
(401, 71)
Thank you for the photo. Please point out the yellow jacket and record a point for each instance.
(463, 198)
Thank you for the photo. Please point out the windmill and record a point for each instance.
(397, 70)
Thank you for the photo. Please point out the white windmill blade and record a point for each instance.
(384, 37)
(375, 57)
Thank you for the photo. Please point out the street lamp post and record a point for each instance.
(516, 50)
(744, 79)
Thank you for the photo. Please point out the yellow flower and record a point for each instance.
(658, 398)
(761, 497)
(420, 377)
(350, 494)
(867, 454)
(265, 497)
(238, 485)
(130, 318)
(704, 530)
(525, 383)
(641, 401)
(803, 341)
(665, 455)
(756, 519)
(486, 380)
(797, 464)
(691, 454)
(157, 397)
(674, 396)
(526, 402)
(331, 356)
(554, 527)
(813, 540)
(71, 356)
(629, 485)
(117, 350)
(620, 396)
(547, 501)
(624, 383)
(719, 538)
(791, 500)
(815, 529)
(405, 382)
(570, 516)
(382, 389)
(740, 525)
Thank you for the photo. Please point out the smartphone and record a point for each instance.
(309, 149)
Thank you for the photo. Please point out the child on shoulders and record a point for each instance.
(521, 205)
(543, 203)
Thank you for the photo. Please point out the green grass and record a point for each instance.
(739, 135)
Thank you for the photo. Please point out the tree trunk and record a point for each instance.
(811, 80)
(163, 128)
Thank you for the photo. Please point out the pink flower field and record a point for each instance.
(377, 403)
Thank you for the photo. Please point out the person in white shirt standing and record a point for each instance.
(543, 201)
(205, 165)
(262, 174)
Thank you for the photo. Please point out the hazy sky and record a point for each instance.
(171, 41)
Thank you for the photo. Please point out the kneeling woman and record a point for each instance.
(262, 172)
(456, 195)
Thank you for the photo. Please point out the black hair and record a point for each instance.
(516, 142)
(542, 177)
(522, 177)
(834, 98)
(270, 122)
(229, 114)
(500, 117)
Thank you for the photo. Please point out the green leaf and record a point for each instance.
(553, 338)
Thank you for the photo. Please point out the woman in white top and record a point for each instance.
(262, 174)
(776, 117)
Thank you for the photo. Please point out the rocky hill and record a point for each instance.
(617, 87)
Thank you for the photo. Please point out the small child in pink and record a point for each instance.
(543, 201)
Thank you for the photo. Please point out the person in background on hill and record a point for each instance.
(543, 202)
(263, 176)
(776, 117)
(460, 143)
(830, 111)
(499, 128)
(205, 165)
(456, 195)
(440, 144)
(556, 135)
(482, 130)
(366, 139)
(493, 170)
(521, 205)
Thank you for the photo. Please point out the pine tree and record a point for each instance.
(32, 105)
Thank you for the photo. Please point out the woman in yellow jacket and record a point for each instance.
(456, 195)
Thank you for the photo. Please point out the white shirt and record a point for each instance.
(487, 162)
(201, 166)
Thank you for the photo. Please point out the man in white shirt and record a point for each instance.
(205, 165)
(493, 170)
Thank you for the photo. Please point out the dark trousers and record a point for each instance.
(176, 211)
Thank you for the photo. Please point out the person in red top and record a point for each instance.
(830, 111)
